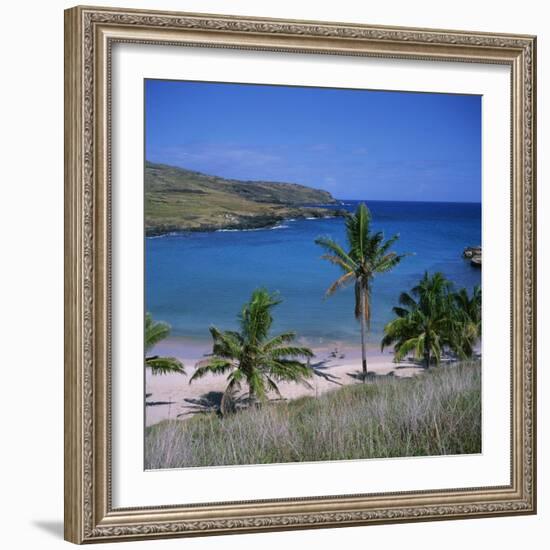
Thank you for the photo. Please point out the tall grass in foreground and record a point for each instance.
(436, 413)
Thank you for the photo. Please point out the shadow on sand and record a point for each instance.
(415, 368)
(370, 376)
(206, 403)
(211, 402)
(157, 403)
(320, 367)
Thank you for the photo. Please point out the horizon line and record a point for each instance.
(419, 201)
(178, 166)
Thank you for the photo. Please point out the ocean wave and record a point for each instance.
(170, 234)
(281, 226)
(239, 230)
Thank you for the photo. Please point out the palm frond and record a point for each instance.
(335, 249)
(397, 330)
(290, 371)
(436, 348)
(273, 386)
(291, 351)
(336, 260)
(226, 344)
(357, 232)
(341, 282)
(404, 348)
(255, 318)
(405, 299)
(373, 244)
(155, 331)
(164, 365)
(213, 365)
(256, 385)
(400, 311)
(420, 346)
(388, 262)
(279, 340)
(383, 249)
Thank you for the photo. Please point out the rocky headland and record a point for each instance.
(177, 199)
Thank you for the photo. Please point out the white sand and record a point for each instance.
(171, 396)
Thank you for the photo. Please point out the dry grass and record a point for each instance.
(434, 414)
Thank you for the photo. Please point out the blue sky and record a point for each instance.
(357, 144)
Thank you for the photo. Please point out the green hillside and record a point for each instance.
(182, 200)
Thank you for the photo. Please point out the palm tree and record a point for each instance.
(155, 331)
(424, 320)
(368, 255)
(252, 356)
(467, 321)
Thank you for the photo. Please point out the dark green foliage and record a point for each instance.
(155, 332)
(433, 319)
(466, 322)
(252, 356)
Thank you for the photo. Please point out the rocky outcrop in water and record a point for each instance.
(473, 253)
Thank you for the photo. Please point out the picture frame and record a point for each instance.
(90, 35)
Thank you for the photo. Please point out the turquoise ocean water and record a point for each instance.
(194, 280)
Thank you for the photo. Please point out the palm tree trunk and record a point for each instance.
(363, 331)
(427, 358)
(427, 354)
(253, 402)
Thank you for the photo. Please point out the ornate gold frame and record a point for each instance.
(89, 35)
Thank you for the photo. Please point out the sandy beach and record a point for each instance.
(172, 397)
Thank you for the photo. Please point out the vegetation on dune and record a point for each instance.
(155, 332)
(182, 200)
(368, 255)
(252, 356)
(432, 319)
(434, 414)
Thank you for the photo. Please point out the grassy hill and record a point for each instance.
(182, 200)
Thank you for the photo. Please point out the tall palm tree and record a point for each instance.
(367, 255)
(467, 321)
(155, 331)
(252, 356)
(424, 320)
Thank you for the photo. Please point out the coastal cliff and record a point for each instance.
(177, 199)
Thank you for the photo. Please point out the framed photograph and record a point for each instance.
(300, 274)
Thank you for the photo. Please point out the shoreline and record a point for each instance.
(335, 364)
(212, 202)
(259, 222)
